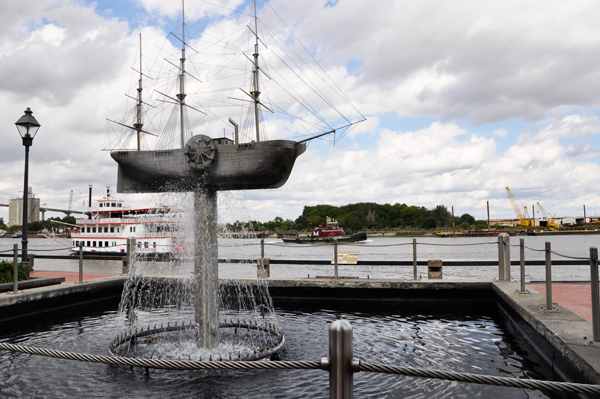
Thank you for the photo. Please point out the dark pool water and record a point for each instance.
(444, 338)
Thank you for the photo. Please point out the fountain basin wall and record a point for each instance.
(553, 338)
(31, 302)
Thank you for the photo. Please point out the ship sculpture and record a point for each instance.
(202, 160)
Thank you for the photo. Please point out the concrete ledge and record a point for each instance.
(349, 290)
(37, 294)
(565, 336)
(44, 299)
(375, 284)
(33, 282)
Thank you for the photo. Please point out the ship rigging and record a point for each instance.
(247, 160)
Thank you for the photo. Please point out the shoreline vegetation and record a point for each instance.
(364, 216)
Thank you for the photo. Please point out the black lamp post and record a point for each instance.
(28, 127)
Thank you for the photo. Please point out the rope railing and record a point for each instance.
(164, 364)
(535, 250)
(377, 246)
(480, 379)
(458, 245)
(323, 364)
(50, 249)
(569, 257)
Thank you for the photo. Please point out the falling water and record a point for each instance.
(175, 308)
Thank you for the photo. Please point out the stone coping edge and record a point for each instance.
(33, 282)
(562, 330)
(55, 291)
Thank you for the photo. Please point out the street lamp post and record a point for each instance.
(28, 127)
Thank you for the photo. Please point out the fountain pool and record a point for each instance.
(476, 340)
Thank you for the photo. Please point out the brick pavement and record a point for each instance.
(70, 277)
(575, 297)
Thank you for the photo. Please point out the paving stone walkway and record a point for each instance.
(575, 297)
(70, 277)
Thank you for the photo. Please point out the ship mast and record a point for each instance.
(181, 95)
(255, 93)
(138, 125)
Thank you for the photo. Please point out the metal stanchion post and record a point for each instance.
(130, 254)
(549, 306)
(414, 258)
(335, 257)
(81, 261)
(500, 259)
(504, 257)
(341, 377)
(16, 269)
(595, 293)
(522, 259)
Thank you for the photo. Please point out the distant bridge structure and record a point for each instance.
(44, 209)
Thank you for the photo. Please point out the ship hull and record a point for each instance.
(330, 239)
(248, 166)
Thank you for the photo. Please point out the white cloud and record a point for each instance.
(573, 126)
(500, 132)
(461, 64)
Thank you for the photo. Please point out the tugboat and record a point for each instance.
(332, 232)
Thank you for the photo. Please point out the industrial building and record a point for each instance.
(15, 209)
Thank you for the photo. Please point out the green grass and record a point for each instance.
(6, 272)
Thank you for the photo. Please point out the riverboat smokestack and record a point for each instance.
(90, 203)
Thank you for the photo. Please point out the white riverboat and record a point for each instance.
(110, 223)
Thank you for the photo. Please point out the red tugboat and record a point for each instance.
(331, 232)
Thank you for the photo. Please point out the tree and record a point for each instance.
(441, 213)
(315, 220)
(411, 216)
(371, 216)
(288, 224)
(466, 218)
(2, 225)
(69, 219)
(353, 221)
(35, 226)
(301, 223)
(365, 214)
(430, 222)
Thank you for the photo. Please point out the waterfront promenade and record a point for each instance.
(70, 277)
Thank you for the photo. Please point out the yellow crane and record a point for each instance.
(549, 220)
(521, 215)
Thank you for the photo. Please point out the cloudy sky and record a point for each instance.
(461, 99)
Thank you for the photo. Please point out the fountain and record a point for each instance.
(176, 308)
(204, 166)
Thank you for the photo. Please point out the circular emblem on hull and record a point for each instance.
(200, 150)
